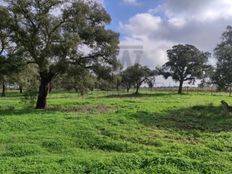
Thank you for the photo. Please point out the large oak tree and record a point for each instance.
(57, 33)
(185, 63)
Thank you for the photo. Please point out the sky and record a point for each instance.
(157, 25)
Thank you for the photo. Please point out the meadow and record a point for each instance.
(107, 132)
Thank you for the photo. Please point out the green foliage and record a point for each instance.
(29, 96)
(185, 63)
(78, 78)
(27, 79)
(222, 76)
(53, 42)
(135, 76)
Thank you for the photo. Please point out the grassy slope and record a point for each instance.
(154, 133)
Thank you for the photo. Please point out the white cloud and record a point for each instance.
(131, 2)
(177, 22)
(198, 10)
(197, 22)
(142, 24)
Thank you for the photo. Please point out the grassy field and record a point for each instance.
(155, 132)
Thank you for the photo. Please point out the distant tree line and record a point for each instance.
(66, 45)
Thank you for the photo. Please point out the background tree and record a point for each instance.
(27, 78)
(207, 77)
(79, 79)
(185, 63)
(151, 81)
(223, 54)
(107, 78)
(53, 34)
(135, 76)
(9, 54)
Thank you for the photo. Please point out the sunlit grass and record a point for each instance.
(107, 132)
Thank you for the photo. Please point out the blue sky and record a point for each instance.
(121, 11)
(157, 25)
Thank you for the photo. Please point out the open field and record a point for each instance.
(156, 132)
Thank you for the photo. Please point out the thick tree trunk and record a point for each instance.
(137, 90)
(45, 79)
(20, 89)
(117, 87)
(128, 89)
(3, 89)
(50, 87)
(42, 97)
(180, 87)
(230, 91)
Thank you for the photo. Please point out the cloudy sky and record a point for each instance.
(159, 24)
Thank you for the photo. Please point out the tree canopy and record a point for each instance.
(185, 63)
(223, 53)
(135, 76)
(55, 33)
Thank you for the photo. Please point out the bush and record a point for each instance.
(29, 97)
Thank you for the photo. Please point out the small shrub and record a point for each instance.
(29, 97)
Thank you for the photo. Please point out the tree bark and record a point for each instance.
(20, 89)
(180, 87)
(3, 89)
(50, 87)
(128, 89)
(45, 79)
(137, 90)
(230, 90)
(117, 86)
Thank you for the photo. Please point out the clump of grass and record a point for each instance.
(20, 150)
(55, 145)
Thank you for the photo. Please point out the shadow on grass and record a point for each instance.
(25, 111)
(129, 95)
(197, 118)
(81, 108)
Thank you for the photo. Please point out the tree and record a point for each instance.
(26, 78)
(151, 82)
(9, 53)
(207, 77)
(223, 54)
(117, 80)
(107, 78)
(126, 82)
(53, 34)
(78, 78)
(135, 76)
(185, 63)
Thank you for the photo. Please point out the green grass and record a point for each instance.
(155, 132)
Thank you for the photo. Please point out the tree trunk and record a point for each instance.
(45, 79)
(137, 90)
(50, 87)
(117, 86)
(3, 89)
(180, 87)
(20, 89)
(230, 90)
(128, 89)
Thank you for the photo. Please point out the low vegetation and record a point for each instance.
(103, 132)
